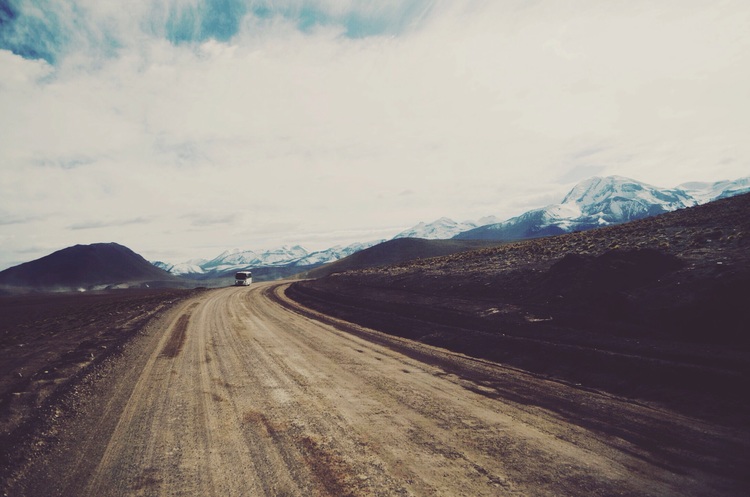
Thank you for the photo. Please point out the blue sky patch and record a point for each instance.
(48, 30)
(30, 36)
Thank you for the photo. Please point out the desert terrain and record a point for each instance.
(53, 349)
(241, 391)
(610, 362)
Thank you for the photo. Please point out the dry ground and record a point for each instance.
(240, 391)
(52, 346)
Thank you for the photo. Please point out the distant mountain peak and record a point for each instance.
(601, 201)
(704, 191)
(442, 228)
(598, 188)
(284, 256)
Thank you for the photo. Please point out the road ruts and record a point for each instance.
(239, 395)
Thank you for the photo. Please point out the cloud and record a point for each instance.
(7, 219)
(212, 218)
(580, 172)
(213, 118)
(90, 225)
(64, 162)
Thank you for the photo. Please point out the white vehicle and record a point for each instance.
(243, 278)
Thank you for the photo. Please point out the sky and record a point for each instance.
(181, 128)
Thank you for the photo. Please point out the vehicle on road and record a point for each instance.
(243, 278)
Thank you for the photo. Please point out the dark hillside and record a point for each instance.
(398, 251)
(654, 309)
(85, 266)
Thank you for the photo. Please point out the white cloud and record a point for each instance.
(288, 130)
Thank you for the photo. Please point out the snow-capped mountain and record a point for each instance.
(615, 199)
(603, 201)
(230, 260)
(441, 229)
(163, 265)
(705, 192)
(192, 266)
(281, 256)
(285, 256)
(592, 203)
(235, 257)
(333, 254)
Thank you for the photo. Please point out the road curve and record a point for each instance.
(242, 393)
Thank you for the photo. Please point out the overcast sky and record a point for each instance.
(183, 128)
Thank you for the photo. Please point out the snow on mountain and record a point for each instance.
(333, 254)
(231, 258)
(163, 265)
(615, 199)
(189, 267)
(591, 203)
(706, 192)
(285, 256)
(531, 224)
(282, 256)
(441, 229)
(240, 259)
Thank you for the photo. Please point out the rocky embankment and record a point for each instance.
(653, 309)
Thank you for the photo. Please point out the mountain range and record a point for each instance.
(592, 203)
(442, 229)
(295, 258)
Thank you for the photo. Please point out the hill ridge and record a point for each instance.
(85, 267)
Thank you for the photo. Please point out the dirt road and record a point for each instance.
(234, 393)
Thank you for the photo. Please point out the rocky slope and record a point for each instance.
(653, 309)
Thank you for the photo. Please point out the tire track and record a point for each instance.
(240, 395)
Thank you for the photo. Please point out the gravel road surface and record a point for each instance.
(239, 392)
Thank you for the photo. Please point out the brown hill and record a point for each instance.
(86, 266)
(653, 309)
